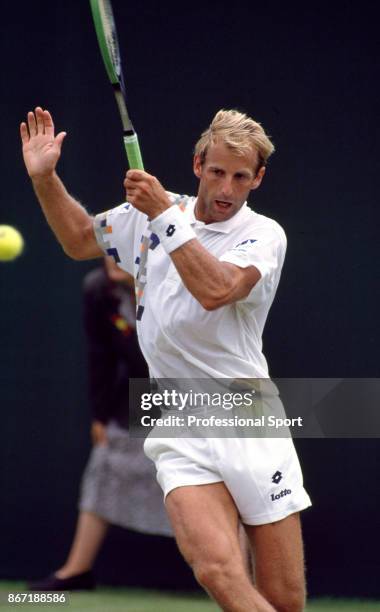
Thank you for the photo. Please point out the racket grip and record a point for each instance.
(132, 148)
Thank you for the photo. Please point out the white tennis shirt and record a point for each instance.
(178, 337)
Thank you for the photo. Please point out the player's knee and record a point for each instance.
(215, 574)
(288, 599)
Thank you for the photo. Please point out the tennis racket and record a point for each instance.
(107, 38)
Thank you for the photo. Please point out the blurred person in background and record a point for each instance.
(119, 485)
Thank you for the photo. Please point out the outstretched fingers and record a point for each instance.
(39, 122)
(49, 124)
(41, 150)
(32, 125)
(39, 114)
(59, 139)
(24, 133)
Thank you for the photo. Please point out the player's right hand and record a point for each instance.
(40, 148)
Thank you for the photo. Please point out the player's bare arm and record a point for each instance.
(212, 282)
(70, 222)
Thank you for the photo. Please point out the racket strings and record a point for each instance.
(109, 29)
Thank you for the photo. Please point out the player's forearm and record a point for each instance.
(212, 282)
(69, 221)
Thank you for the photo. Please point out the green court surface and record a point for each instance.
(134, 600)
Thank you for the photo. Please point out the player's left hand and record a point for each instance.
(146, 193)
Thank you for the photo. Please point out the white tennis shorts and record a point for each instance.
(263, 475)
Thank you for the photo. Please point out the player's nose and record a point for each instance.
(227, 187)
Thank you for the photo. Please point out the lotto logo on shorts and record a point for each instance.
(279, 495)
(277, 476)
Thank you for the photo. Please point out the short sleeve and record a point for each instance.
(266, 251)
(115, 232)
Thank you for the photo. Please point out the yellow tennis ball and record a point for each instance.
(11, 243)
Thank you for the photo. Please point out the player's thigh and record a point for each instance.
(205, 522)
(279, 557)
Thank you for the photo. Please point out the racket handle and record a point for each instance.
(132, 148)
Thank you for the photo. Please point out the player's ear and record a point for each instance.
(258, 178)
(197, 166)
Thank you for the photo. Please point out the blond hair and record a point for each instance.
(239, 133)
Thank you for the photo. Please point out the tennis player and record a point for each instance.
(207, 269)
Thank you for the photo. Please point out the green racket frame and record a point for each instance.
(107, 38)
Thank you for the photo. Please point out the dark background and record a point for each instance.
(311, 77)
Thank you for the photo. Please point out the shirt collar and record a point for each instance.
(224, 227)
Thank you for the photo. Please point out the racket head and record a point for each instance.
(107, 38)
